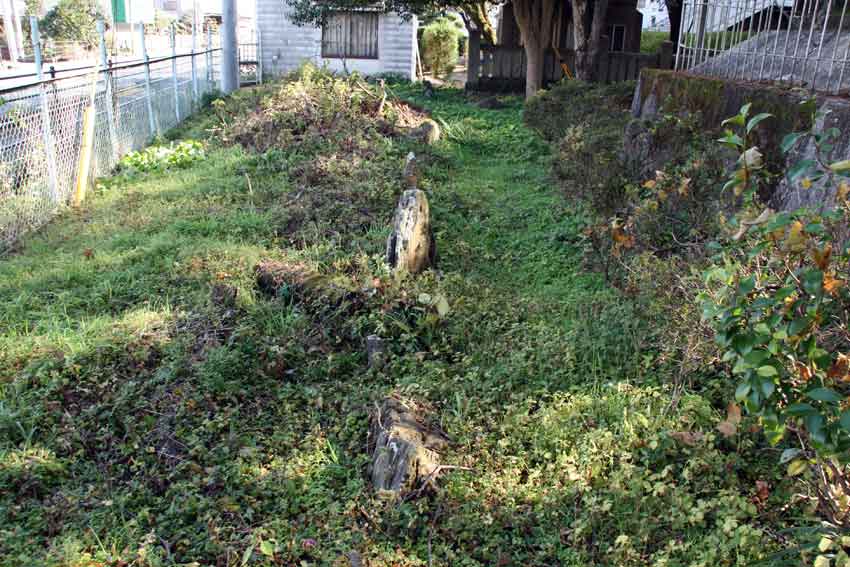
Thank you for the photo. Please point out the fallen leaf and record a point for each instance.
(805, 372)
(822, 257)
(762, 490)
(689, 438)
(729, 426)
(727, 429)
(831, 284)
(840, 369)
(621, 238)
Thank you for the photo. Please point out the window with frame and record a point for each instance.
(616, 37)
(351, 35)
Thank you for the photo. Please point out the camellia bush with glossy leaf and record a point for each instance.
(778, 300)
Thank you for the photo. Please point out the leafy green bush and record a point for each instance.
(552, 112)
(440, 46)
(777, 298)
(30, 470)
(209, 97)
(650, 41)
(156, 158)
(679, 208)
(73, 20)
(587, 163)
(586, 121)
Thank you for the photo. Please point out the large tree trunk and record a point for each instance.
(534, 57)
(476, 13)
(674, 14)
(587, 31)
(535, 20)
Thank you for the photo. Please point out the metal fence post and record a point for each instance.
(154, 124)
(174, 81)
(195, 96)
(107, 77)
(229, 47)
(259, 58)
(46, 129)
(209, 58)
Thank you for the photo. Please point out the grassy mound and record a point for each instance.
(159, 407)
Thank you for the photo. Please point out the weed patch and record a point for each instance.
(184, 374)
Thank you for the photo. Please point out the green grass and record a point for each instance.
(141, 423)
(650, 41)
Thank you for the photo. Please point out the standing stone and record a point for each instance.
(410, 246)
(405, 449)
(223, 295)
(375, 351)
(428, 132)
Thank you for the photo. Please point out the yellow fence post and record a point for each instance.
(86, 148)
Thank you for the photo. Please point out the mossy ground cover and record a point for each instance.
(146, 421)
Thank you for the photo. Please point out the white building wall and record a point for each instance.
(286, 46)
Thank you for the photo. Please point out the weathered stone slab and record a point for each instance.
(410, 246)
(428, 132)
(405, 451)
(375, 351)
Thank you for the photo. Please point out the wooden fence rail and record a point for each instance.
(502, 68)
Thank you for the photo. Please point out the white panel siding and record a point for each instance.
(285, 46)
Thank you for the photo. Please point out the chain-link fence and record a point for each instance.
(41, 128)
(804, 43)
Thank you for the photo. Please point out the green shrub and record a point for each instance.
(586, 121)
(777, 298)
(440, 46)
(587, 163)
(73, 20)
(650, 41)
(570, 103)
(154, 158)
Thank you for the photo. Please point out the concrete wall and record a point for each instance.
(285, 46)
(713, 100)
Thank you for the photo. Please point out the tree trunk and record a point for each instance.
(587, 31)
(476, 12)
(535, 58)
(584, 65)
(535, 19)
(674, 14)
